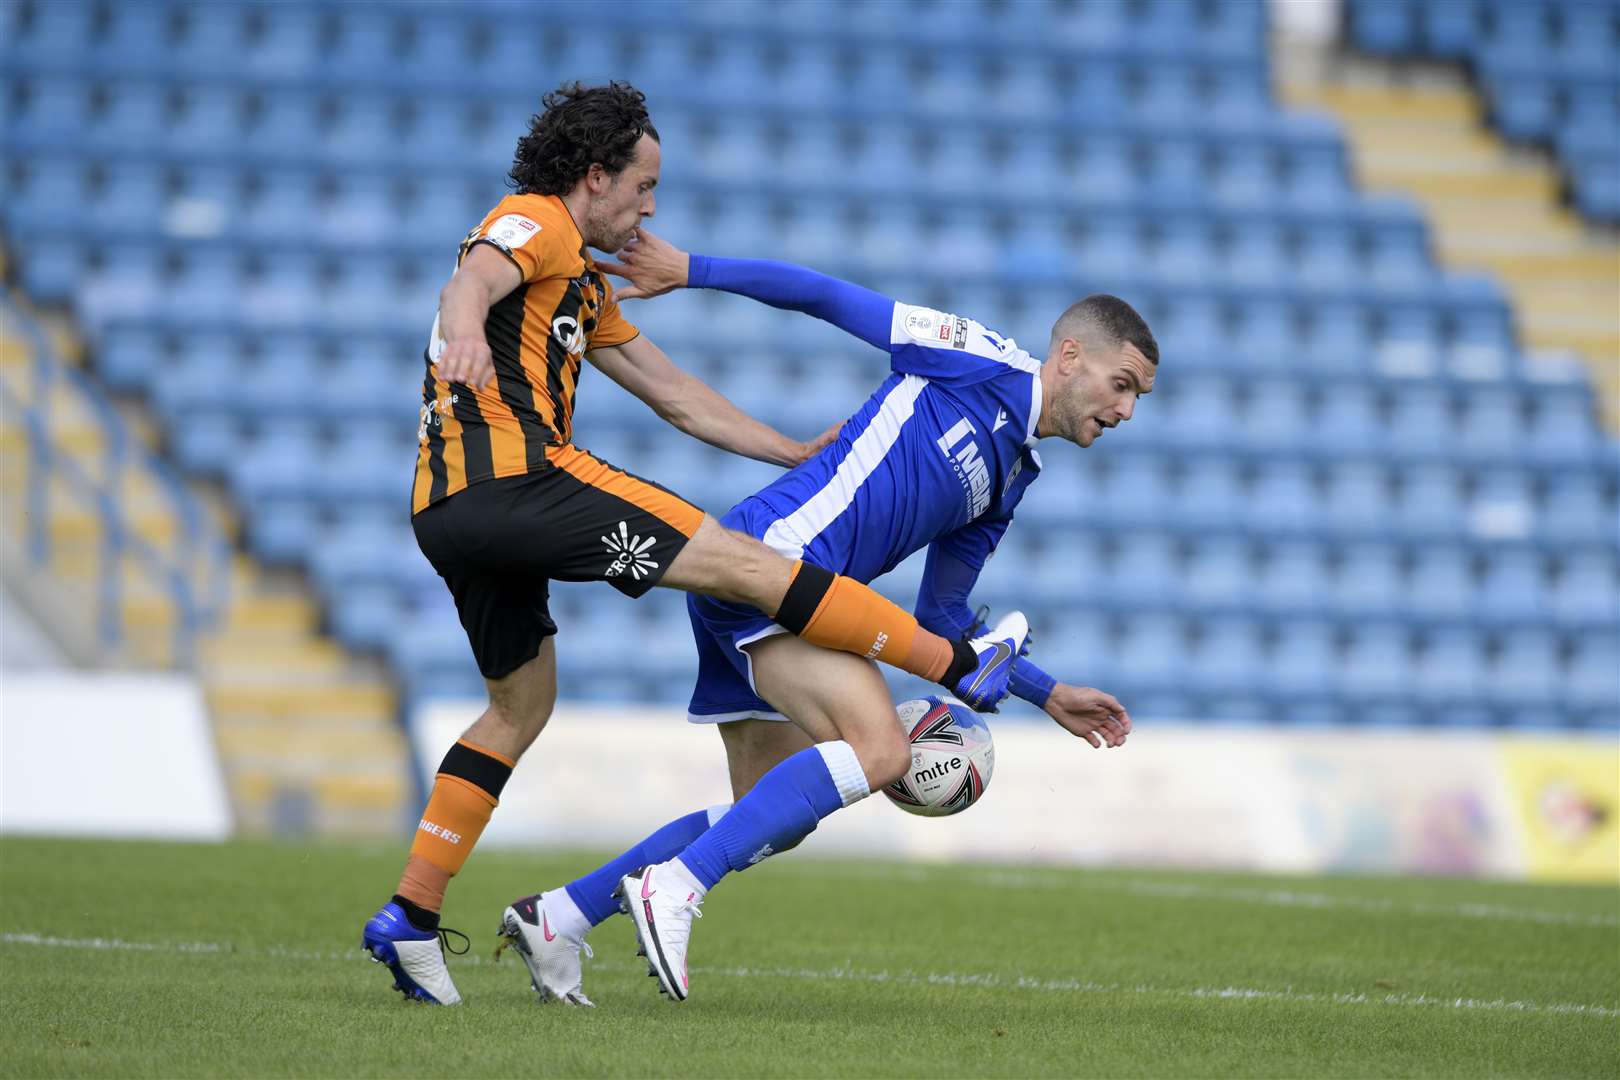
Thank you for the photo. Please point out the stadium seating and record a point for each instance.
(1347, 500)
(1549, 70)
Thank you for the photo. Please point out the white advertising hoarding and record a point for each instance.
(117, 755)
(1271, 799)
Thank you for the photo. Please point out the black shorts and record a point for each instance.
(498, 545)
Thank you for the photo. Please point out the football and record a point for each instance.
(952, 757)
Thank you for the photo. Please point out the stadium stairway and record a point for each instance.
(307, 733)
(1417, 128)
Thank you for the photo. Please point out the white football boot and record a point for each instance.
(552, 957)
(662, 909)
(416, 957)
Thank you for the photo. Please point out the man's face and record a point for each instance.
(1102, 391)
(619, 206)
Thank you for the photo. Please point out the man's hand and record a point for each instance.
(816, 445)
(1091, 714)
(467, 361)
(652, 265)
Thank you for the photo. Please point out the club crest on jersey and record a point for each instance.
(630, 553)
(567, 332)
(968, 465)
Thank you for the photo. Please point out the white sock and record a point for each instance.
(680, 873)
(564, 915)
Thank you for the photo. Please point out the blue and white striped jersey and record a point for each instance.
(943, 449)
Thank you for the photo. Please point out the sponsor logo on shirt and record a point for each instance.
(512, 231)
(968, 464)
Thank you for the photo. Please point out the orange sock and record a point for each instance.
(465, 794)
(840, 613)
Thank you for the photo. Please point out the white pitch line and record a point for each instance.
(985, 980)
(1166, 890)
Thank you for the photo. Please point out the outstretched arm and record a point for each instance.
(695, 407)
(654, 266)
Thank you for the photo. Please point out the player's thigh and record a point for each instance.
(729, 566)
(833, 695)
(755, 747)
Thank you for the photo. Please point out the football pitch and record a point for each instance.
(136, 959)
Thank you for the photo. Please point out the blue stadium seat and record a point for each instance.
(1292, 578)
(1284, 498)
(206, 441)
(1229, 661)
(1256, 256)
(1420, 422)
(1441, 584)
(1377, 668)
(1278, 418)
(1221, 573)
(1451, 668)
(208, 121)
(1563, 428)
(1303, 661)
(365, 618)
(1145, 569)
(283, 530)
(1452, 28)
(1151, 650)
(54, 108)
(1265, 327)
(1514, 587)
(285, 126)
(1590, 681)
(1368, 581)
(1328, 260)
(1578, 508)
(1388, 28)
(135, 119)
(1587, 589)
(1525, 675)
(1210, 492)
(1359, 499)
(1349, 420)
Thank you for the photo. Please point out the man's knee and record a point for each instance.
(884, 756)
(739, 569)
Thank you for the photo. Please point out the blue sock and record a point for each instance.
(782, 809)
(593, 893)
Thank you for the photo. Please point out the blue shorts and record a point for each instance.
(725, 678)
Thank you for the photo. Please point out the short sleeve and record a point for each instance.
(612, 328)
(950, 348)
(521, 238)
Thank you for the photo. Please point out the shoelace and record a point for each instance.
(444, 933)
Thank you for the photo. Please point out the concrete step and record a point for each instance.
(348, 701)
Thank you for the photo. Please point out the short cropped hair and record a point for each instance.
(581, 125)
(1108, 321)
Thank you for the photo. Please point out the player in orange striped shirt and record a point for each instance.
(504, 501)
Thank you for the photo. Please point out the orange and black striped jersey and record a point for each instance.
(538, 336)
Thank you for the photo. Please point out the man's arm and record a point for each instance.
(953, 567)
(696, 408)
(484, 277)
(654, 266)
(954, 564)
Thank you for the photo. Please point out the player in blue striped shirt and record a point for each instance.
(938, 457)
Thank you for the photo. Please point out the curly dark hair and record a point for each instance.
(582, 125)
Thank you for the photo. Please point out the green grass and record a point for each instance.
(805, 967)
